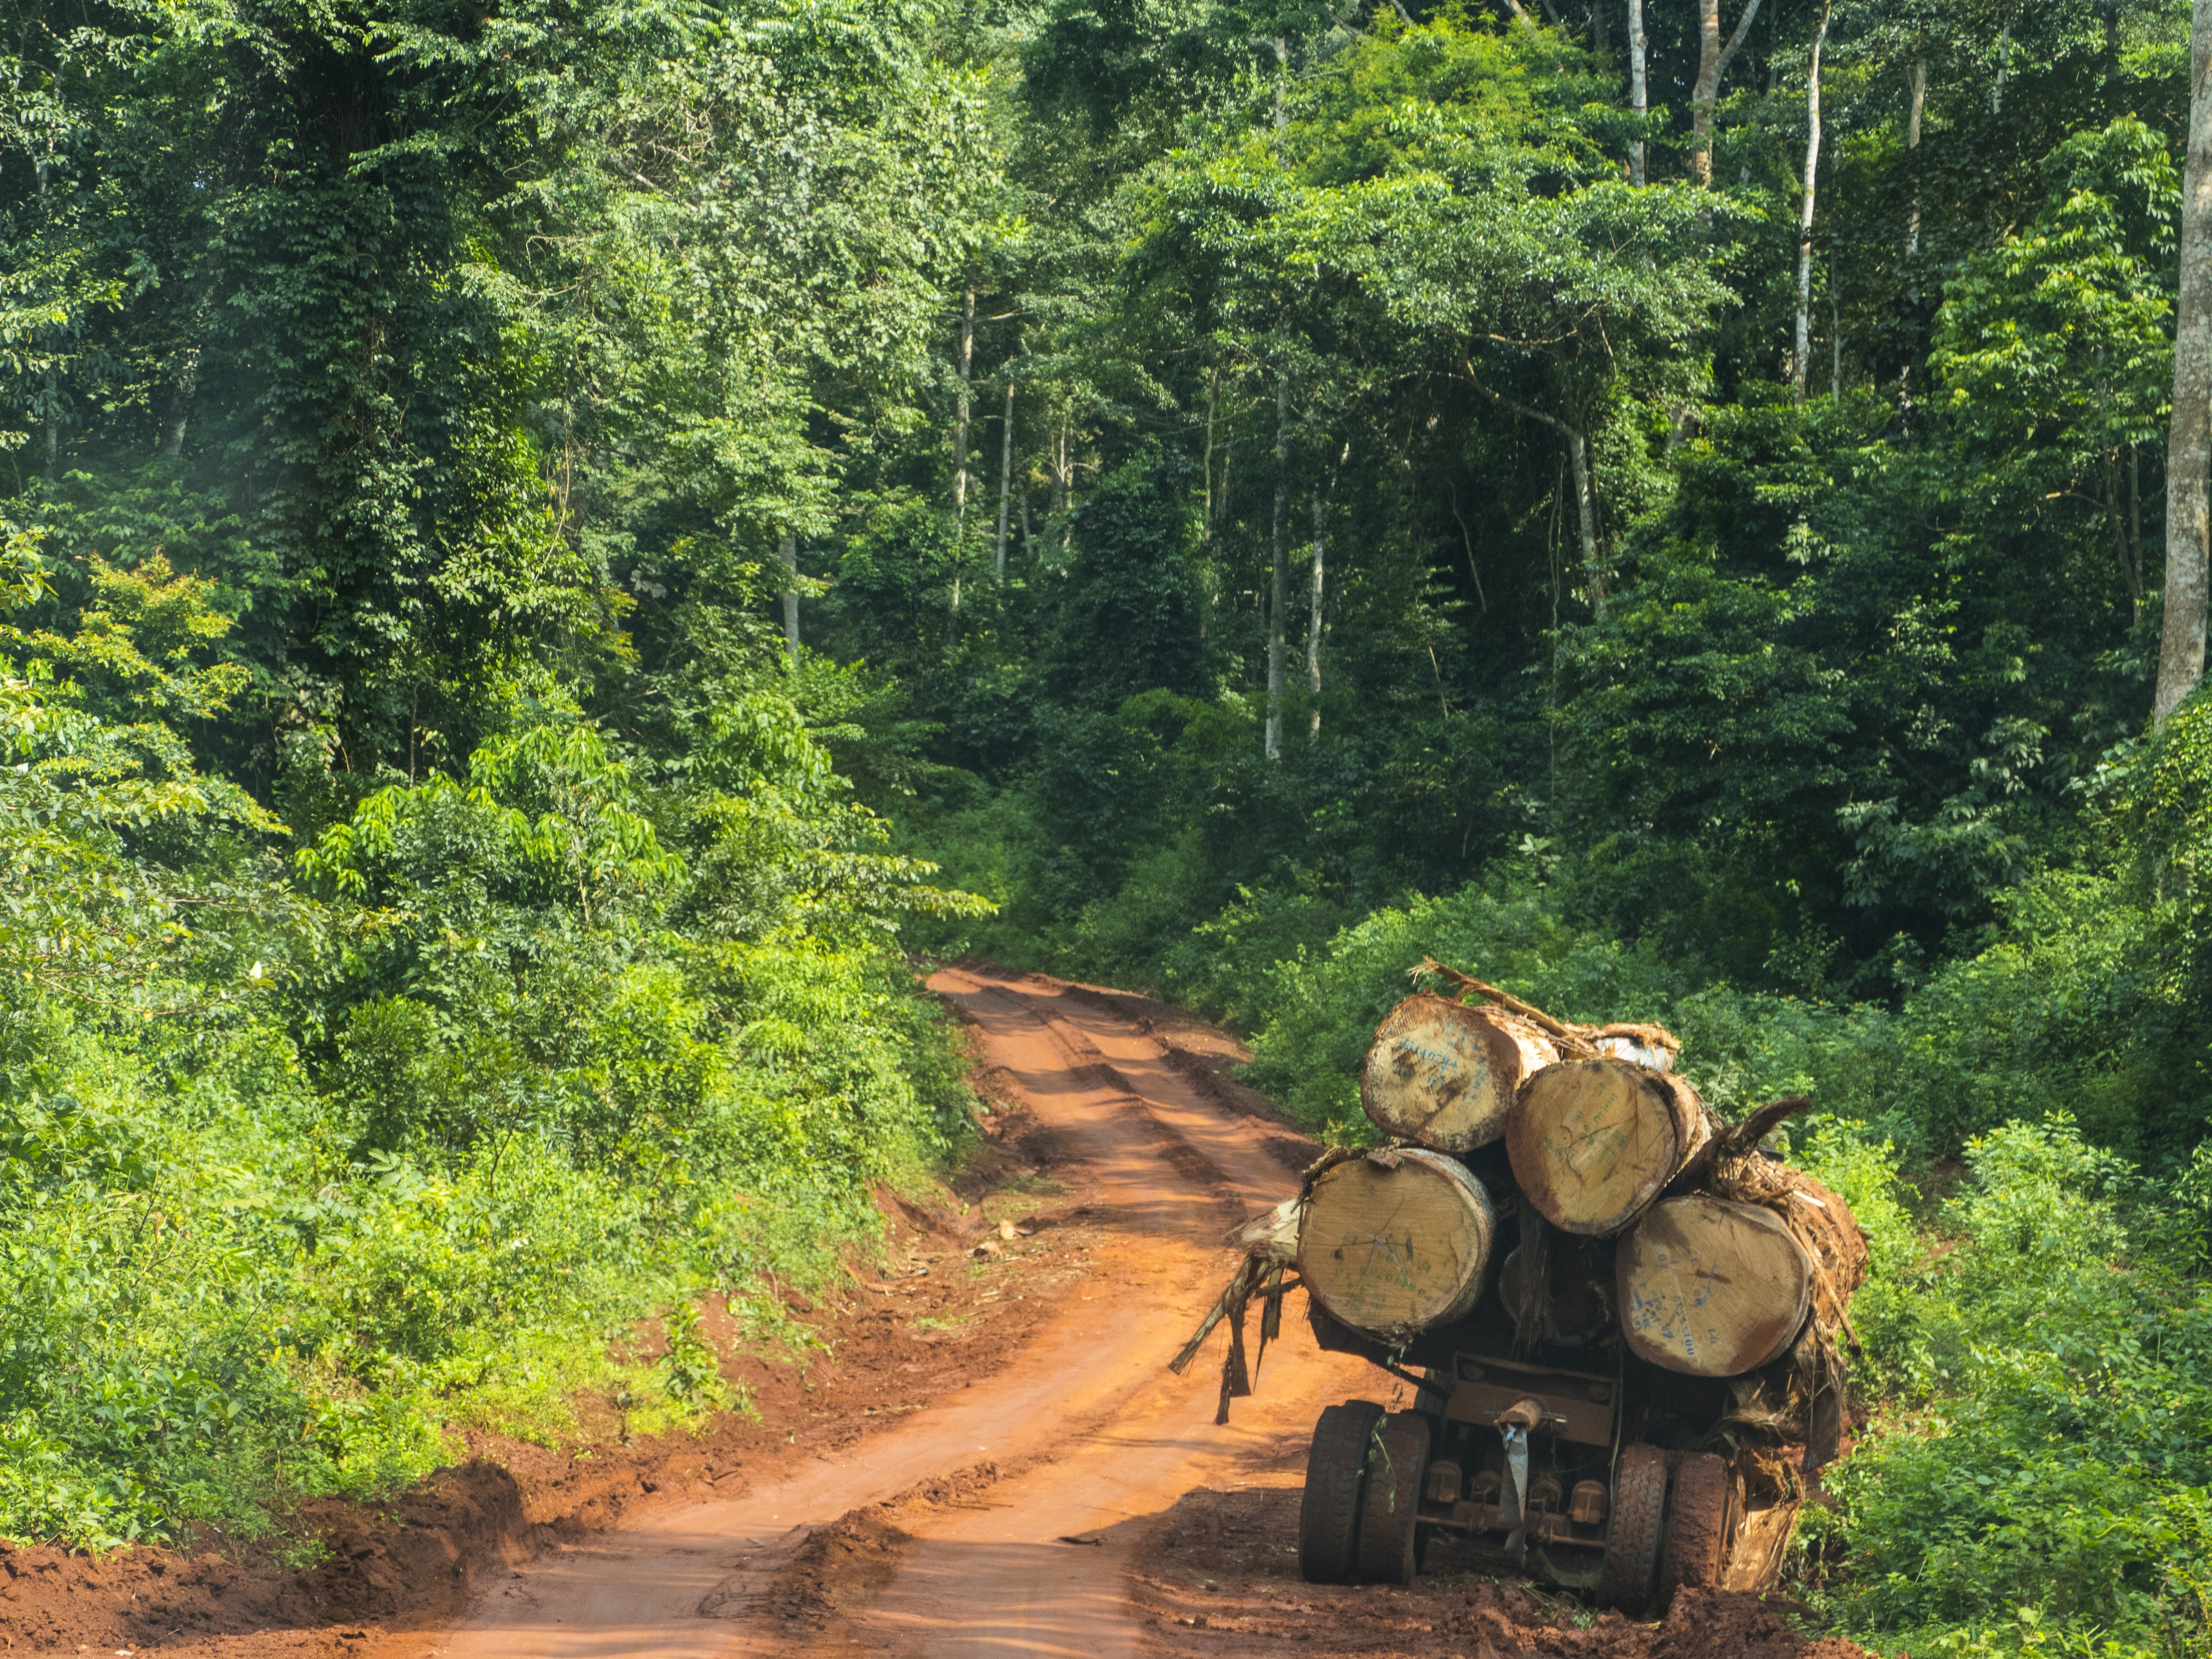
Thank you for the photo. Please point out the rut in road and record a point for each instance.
(1088, 1431)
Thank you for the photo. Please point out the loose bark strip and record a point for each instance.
(1397, 1242)
(1594, 1142)
(1711, 1288)
(1444, 1076)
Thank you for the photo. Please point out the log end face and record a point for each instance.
(1444, 1076)
(1392, 1249)
(1593, 1142)
(1710, 1288)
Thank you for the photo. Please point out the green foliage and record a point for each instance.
(2038, 1479)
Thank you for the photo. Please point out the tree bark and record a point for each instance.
(1713, 60)
(1005, 481)
(2189, 440)
(1639, 96)
(1206, 469)
(1443, 1075)
(1802, 361)
(1278, 574)
(960, 460)
(1313, 620)
(787, 553)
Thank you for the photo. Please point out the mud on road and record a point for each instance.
(989, 1457)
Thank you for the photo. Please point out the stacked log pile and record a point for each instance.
(1641, 1220)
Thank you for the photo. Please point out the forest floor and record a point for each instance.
(987, 1454)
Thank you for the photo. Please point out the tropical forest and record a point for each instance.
(557, 555)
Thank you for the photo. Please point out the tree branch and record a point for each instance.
(1736, 41)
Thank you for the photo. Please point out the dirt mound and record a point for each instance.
(845, 1564)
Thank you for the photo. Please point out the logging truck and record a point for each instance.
(1591, 1469)
(1629, 1403)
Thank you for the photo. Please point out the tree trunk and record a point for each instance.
(960, 462)
(1313, 619)
(1278, 576)
(1639, 97)
(1803, 361)
(1205, 468)
(1444, 1076)
(1005, 481)
(2189, 440)
(787, 553)
(1397, 1242)
(2123, 551)
(1586, 514)
(1594, 1141)
(1711, 1288)
(960, 425)
(1713, 60)
(1912, 115)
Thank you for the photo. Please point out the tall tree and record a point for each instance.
(2188, 439)
(1639, 96)
(1800, 358)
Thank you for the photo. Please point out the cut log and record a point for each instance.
(1818, 1218)
(1397, 1242)
(1711, 1288)
(1593, 1142)
(1444, 1076)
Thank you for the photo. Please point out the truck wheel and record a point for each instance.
(1390, 1519)
(1698, 1517)
(1632, 1543)
(1328, 1515)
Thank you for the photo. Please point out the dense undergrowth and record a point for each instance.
(310, 1156)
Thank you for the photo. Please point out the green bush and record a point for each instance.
(299, 1170)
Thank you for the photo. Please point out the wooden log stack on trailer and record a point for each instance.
(1629, 1322)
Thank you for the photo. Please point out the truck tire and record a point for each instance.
(1328, 1514)
(1698, 1522)
(1390, 1518)
(1631, 1542)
